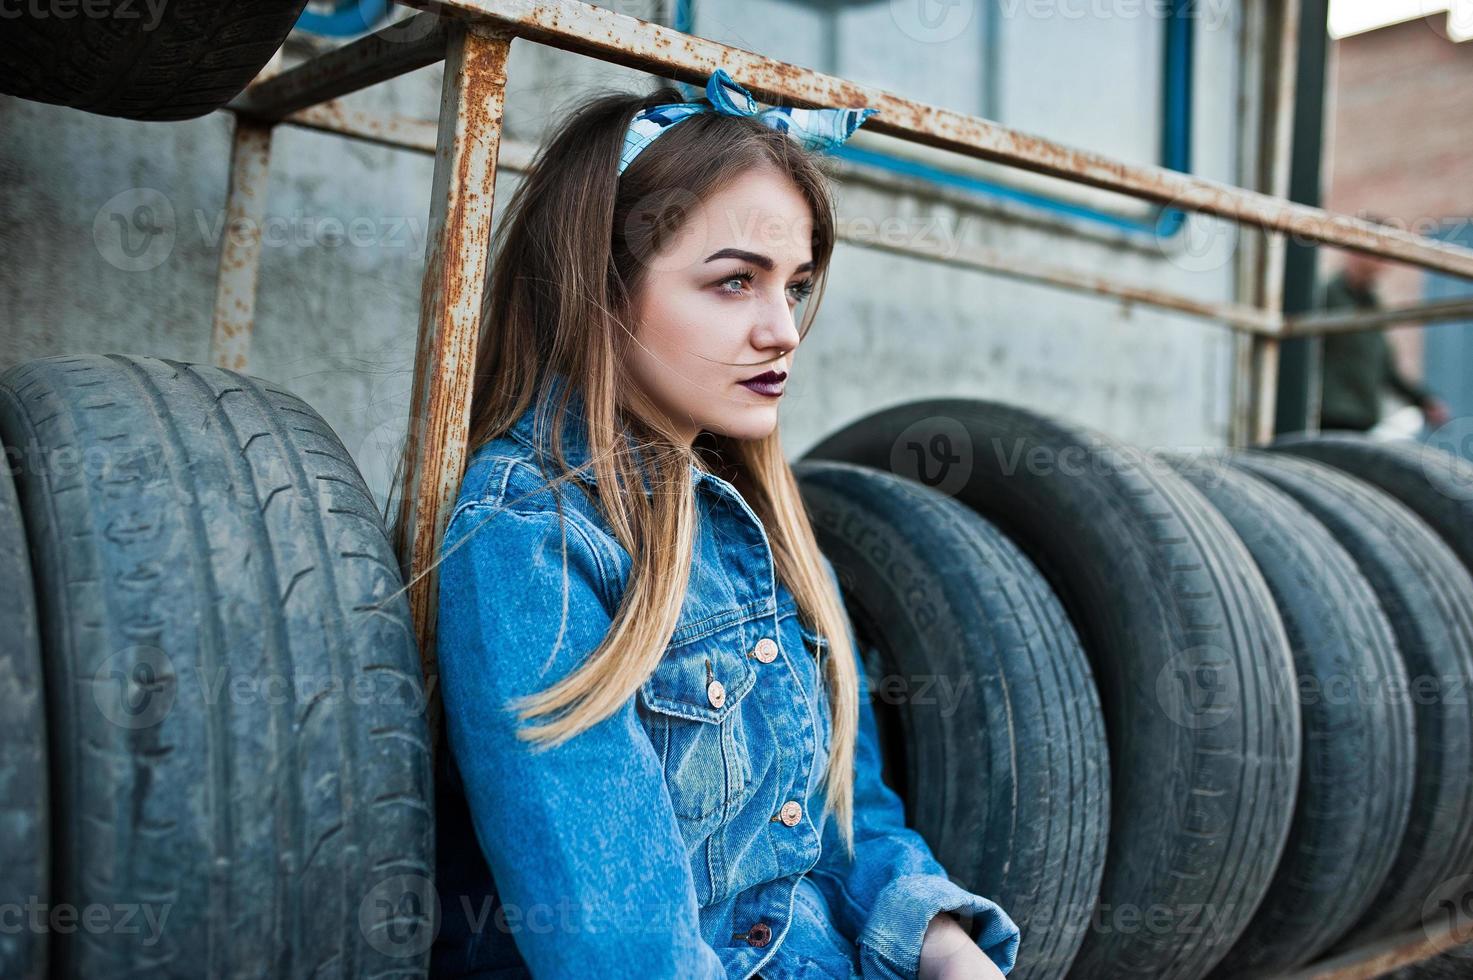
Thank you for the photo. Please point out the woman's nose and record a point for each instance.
(778, 327)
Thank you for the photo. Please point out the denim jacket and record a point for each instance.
(683, 836)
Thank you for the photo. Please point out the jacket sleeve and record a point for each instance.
(581, 839)
(1398, 382)
(885, 898)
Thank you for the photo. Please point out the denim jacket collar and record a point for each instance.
(535, 432)
(575, 435)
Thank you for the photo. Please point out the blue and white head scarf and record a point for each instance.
(815, 129)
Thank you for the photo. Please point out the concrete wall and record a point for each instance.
(112, 233)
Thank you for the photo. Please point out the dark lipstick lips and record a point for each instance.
(769, 383)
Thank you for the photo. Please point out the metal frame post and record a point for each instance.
(462, 197)
(1261, 256)
(234, 320)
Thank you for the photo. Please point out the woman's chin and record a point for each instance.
(753, 423)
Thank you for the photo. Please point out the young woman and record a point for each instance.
(629, 566)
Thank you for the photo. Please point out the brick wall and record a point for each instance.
(1399, 141)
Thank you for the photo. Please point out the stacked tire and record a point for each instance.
(984, 701)
(1191, 661)
(179, 60)
(236, 753)
(1249, 620)
(25, 832)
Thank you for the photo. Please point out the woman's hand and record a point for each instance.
(948, 953)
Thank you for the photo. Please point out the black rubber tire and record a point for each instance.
(1434, 483)
(999, 752)
(191, 528)
(1161, 591)
(1356, 777)
(1428, 599)
(140, 59)
(25, 833)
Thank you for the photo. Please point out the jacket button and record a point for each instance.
(716, 693)
(766, 650)
(759, 934)
(791, 813)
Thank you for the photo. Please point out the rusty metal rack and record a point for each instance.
(474, 37)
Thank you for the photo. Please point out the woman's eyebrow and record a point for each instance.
(752, 257)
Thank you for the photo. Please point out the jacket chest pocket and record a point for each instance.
(693, 716)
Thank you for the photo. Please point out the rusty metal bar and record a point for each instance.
(240, 251)
(1263, 159)
(1389, 954)
(457, 258)
(397, 49)
(1340, 321)
(395, 132)
(1253, 67)
(620, 39)
(418, 136)
(1278, 130)
(1235, 315)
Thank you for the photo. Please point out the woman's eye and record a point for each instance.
(799, 291)
(745, 276)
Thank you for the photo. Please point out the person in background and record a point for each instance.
(1358, 364)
